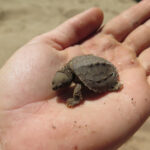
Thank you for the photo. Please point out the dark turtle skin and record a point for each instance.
(95, 73)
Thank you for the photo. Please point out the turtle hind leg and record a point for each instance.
(117, 87)
(77, 96)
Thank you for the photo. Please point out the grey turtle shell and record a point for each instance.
(96, 73)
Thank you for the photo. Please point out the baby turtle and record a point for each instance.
(95, 73)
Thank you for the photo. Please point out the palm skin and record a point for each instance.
(32, 117)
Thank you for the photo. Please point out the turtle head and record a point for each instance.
(61, 80)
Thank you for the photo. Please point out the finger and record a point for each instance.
(123, 24)
(144, 59)
(139, 39)
(75, 29)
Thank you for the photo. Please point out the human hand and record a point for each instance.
(31, 116)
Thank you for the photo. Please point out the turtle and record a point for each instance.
(89, 71)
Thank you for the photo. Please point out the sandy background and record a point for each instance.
(21, 20)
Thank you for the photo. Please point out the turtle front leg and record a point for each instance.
(77, 96)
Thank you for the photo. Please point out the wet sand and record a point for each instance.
(21, 20)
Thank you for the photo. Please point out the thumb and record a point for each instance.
(73, 30)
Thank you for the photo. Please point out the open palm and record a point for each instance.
(32, 115)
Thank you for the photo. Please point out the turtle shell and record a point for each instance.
(96, 73)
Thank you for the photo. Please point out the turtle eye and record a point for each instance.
(54, 85)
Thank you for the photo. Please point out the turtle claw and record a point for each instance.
(71, 102)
